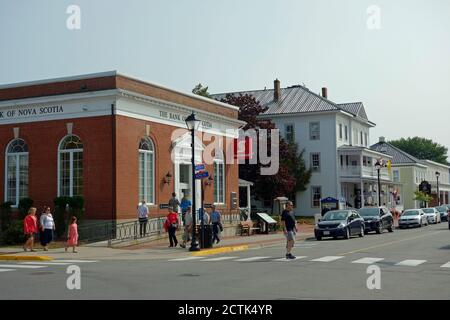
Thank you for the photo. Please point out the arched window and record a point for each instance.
(219, 178)
(16, 171)
(146, 171)
(70, 167)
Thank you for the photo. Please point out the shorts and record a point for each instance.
(290, 235)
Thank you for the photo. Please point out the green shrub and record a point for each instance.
(65, 208)
(14, 233)
(24, 205)
(5, 215)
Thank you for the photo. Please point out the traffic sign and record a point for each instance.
(201, 175)
(199, 167)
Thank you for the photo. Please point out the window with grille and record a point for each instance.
(70, 163)
(16, 184)
(314, 130)
(316, 193)
(146, 171)
(315, 162)
(289, 133)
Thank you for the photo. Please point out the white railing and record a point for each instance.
(368, 172)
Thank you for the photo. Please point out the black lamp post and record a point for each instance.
(378, 168)
(192, 124)
(437, 185)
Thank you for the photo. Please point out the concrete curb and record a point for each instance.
(220, 250)
(26, 258)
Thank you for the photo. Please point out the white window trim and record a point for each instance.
(312, 196)
(286, 125)
(220, 164)
(147, 153)
(17, 157)
(340, 131)
(310, 131)
(319, 168)
(71, 152)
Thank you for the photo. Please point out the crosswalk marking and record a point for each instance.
(327, 259)
(284, 259)
(447, 265)
(368, 260)
(410, 263)
(252, 259)
(4, 270)
(48, 263)
(220, 259)
(187, 259)
(20, 266)
(77, 261)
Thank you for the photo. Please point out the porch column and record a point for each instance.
(362, 193)
(249, 206)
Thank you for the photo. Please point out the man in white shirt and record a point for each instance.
(187, 227)
(143, 218)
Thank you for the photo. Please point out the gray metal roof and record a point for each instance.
(297, 99)
(399, 156)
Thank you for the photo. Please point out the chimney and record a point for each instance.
(325, 92)
(382, 139)
(276, 90)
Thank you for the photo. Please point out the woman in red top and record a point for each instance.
(30, 228)
(171, 226)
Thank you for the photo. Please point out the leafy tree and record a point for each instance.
(201, 91)
(422, 197)
(422, 148)
(292, 175)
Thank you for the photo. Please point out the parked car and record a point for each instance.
(340, 223)
(412, 217)
(433, 215)
(377, 219)
(444, 212)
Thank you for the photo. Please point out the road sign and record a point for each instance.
(425, 187)
(201, 175)
(199, 167)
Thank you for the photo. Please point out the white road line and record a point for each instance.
(447, 265)
(327, 259)
(410, 263)
(252, 259)
(20, 266)
(77, 261)
(368, 260)
(220, 259)
(286, 260)
(187, 259)
(47, 263)
(4, 270)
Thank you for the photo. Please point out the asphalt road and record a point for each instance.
(413, 264)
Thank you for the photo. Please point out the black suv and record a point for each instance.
(376, 219)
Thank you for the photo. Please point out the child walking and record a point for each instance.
(72, 240)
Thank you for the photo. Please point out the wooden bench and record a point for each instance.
(245, 228)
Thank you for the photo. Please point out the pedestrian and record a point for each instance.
(187, 227)
(184, 205)
(203, 214)
(216, 220)
(143, 218)
(171, 226)
(174, 203)
(72, 239)
(30, 227)
(47, 228)
(289, 228)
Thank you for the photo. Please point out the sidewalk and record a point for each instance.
(152, 251)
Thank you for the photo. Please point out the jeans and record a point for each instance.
(172, 237)
(143, 226)
(216, 231)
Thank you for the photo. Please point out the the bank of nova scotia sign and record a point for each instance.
(30, 111)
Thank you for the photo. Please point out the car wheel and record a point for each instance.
(318, 238)
(362, 232)
(347, 233)
(379, 228)
(421, 223)
(391, 227)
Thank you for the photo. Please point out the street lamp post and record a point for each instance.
(437, 186)
(192, 124)
(378, 168)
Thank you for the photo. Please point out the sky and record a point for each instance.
(393, 55)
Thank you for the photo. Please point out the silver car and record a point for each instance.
(433, 215)
(413, 217)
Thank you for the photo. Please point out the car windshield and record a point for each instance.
(428, 210)
(369, 212)
(411, 213)
(442, 209)
(335, 215)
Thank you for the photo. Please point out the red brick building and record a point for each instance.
(109, 138)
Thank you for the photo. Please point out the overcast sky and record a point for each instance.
(401, 72)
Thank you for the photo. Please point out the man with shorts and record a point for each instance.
(289, 228)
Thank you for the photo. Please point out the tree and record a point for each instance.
(292, 175)
(201, 91)
(422, 197)
(422, 148)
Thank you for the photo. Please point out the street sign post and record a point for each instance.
(201, 175)
(199, 167)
